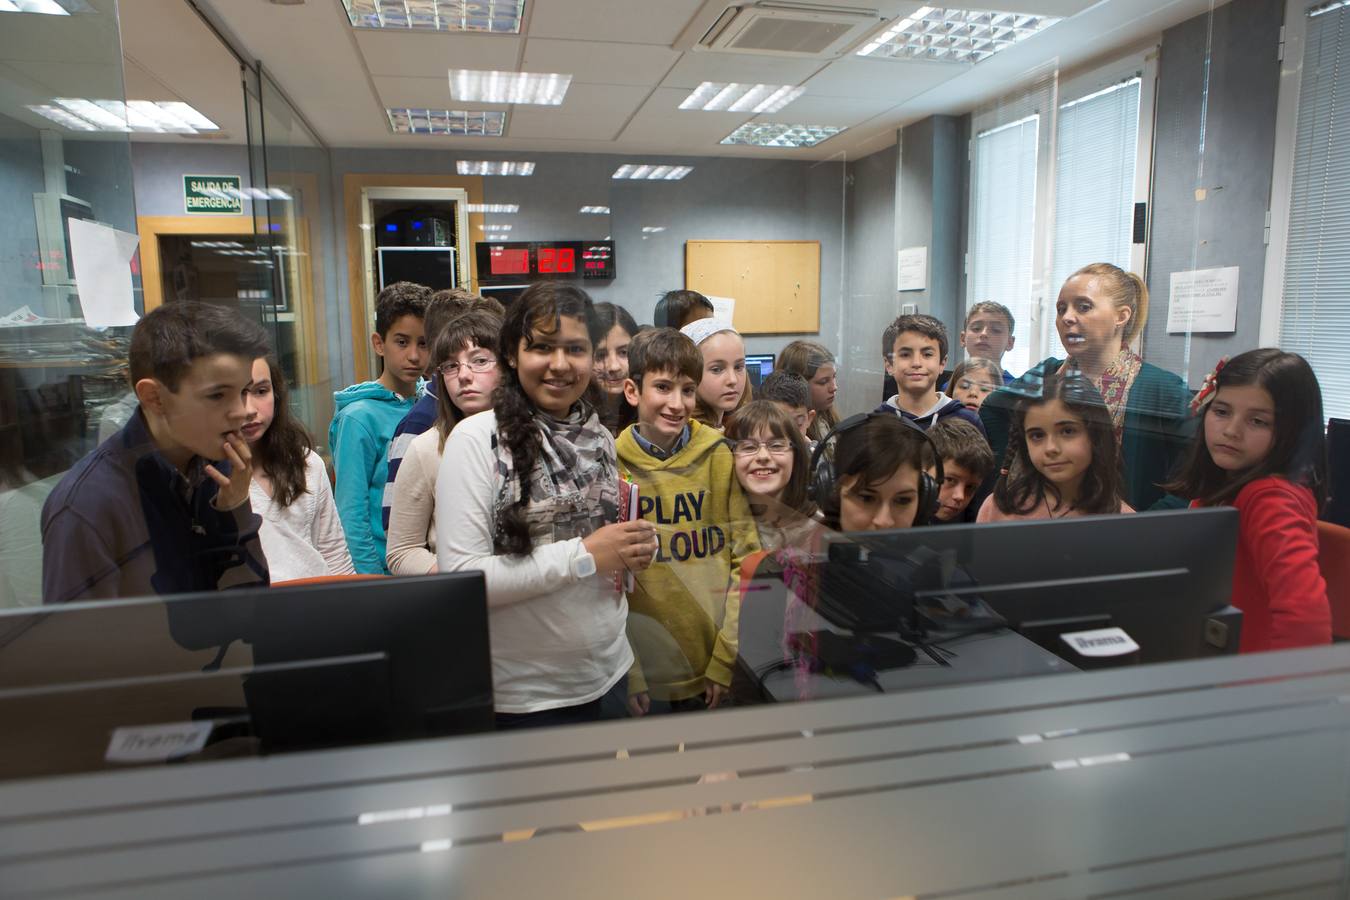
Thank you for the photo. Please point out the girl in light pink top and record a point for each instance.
(1062, 457)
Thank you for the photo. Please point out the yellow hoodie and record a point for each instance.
(683, 613)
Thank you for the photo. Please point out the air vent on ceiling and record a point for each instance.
(787, 29)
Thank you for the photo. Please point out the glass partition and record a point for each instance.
(1037, 260)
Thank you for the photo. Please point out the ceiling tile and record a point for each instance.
(606, 20)
(429, 92)
(828, 111)
(661, 119)
(599, 63)
(591, 111)
(697, 67)
(887, 79)
(141, 85)
(425, 55)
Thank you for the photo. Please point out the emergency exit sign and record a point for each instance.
(212, 195)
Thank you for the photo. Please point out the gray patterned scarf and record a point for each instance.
(574, 488)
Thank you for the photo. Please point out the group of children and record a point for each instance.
(616, 484)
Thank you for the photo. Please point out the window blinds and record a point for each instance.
(1315, 315)
(1003, 211)
(1096, 147)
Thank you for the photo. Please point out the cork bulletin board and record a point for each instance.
(776, 284)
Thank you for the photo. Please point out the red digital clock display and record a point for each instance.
(557, 260)
(510, 262)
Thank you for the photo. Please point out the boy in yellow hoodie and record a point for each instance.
(682, 614)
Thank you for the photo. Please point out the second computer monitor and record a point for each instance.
(1163, 577)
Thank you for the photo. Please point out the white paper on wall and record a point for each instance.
(101, 257)
(724, 309)
(1203, 301)
(912, 269)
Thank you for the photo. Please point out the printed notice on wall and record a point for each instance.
(912, 269)
(101, 257)
(1203, 301)
(724, 309)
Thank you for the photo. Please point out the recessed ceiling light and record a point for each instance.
(492, 207)
(494, 228)
(757, 98)
(595, 210)
(652, 172)
(495, 16)
(458, 122)
(954, 35)
(46, 7)
(773, 134)
(162, 117)
(493, 167)
(653, 229)
(539, 88)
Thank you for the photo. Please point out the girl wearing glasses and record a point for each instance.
(467, 367)
(773, 466)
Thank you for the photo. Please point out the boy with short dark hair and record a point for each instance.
(442, 308)
(366, 417)
(791, 391)
(162, 506)
(914, 349)
(988, 334)
(683, 612)
(966, 462)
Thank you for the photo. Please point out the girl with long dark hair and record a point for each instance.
(301, 532)
(534, 486)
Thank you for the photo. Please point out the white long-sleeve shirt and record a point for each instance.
(410, 544)
(557, 640)
(305, 539)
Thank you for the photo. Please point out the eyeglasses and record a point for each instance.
(749, 447)
(478, 365)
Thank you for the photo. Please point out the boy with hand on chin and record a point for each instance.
(914, 349)
(683, 612)
(366, 417)
(162, 507)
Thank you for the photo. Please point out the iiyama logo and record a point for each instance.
(1098, 642)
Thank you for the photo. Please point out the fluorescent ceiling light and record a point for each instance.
(539, 88)
(773, 134)
(653, 229)
(495, 16)
(159, 117)
(458, 122)
(595, 210)
(492, 207)
(652, 172)
(496, 228)
(954, 35)
(45, 7)
(756, 98)
(493, 167)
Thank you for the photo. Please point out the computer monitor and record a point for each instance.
(1165, 578)
(1338, 472)
(758, 366)
(303, 667)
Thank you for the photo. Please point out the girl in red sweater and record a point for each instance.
(1262, 450)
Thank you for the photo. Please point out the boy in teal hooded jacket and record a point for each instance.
(366, 417)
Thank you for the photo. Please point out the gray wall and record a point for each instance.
(931, 211)
(870, 299)
(726, 199)
(159, 169)
(1225, 103)
(20, 179)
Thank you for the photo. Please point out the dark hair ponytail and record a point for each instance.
(541, 307)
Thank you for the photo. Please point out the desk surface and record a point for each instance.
(1220, 778)
(976, 657)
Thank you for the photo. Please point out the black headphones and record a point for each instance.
(822, 466)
